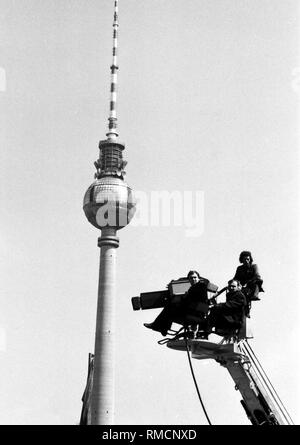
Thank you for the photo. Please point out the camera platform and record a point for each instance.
(203, 349)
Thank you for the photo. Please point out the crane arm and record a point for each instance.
(260, 401)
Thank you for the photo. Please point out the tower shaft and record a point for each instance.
(102, 403)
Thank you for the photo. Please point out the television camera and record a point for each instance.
(173, 295)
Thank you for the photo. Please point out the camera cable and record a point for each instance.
(193, 375)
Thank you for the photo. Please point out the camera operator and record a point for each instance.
(228, 315)
(249, 277)
(184, 311)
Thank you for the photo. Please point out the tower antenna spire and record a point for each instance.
(112, 120)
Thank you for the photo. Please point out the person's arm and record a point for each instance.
(213, 299)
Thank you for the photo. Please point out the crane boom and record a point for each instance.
(259, 399)
(272, 411)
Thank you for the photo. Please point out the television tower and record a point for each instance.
(108, 205)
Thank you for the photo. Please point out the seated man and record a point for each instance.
(185, 312)
(228, 316)
(248, 275)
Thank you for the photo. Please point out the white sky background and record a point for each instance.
(208, 100)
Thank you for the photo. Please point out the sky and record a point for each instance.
(208, 103)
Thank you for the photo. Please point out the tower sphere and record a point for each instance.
(109, 203)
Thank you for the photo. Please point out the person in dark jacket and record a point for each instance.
(229, 315)
(248, 275)
(181, 313)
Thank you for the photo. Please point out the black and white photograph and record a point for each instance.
(149, 229)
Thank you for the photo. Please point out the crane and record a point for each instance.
(260, 400)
